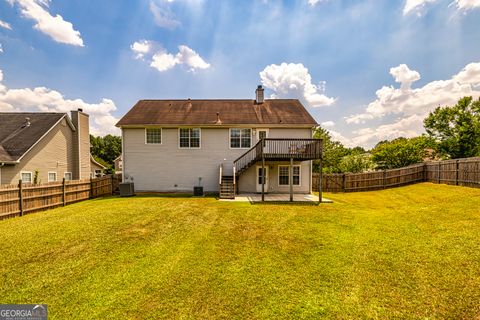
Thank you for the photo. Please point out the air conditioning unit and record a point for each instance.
(127, 189)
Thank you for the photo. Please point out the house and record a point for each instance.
(175, 145)
(118, 163)
(44, 147)
(96, 168)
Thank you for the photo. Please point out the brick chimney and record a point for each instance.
(81, 144)
(259, 95)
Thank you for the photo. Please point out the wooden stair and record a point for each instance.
(227, 188)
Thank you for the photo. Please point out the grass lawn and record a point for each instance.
(406, 253)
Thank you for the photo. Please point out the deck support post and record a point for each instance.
(263, 175)
(290, 179)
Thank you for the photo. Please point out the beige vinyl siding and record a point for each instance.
(52, 153)
(81, 145)
(84, 146)
(167, 167)
(247, 182)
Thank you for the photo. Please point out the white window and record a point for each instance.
(68, 176)
(189, 137)
(26, 177)
(52, 176)
(153, 136)
(284, 175)
(240, 138)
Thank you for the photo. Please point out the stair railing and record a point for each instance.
(252, 154)
(220, 174)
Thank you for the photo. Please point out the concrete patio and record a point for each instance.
(269, 197)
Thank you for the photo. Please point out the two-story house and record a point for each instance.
(222, 145)
(45, 147)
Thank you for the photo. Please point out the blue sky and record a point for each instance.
(366, 70)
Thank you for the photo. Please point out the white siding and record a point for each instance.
(166, 167)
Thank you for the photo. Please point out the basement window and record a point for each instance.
(284, 175)
(68, 176)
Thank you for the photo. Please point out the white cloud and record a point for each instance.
(408, 127)
(337, 136)
(54, 26)
(467, 4)
(1, 48)
(415, 6)
(327, 124)
(403, 75)
(5, 25)
(163, 15)
(411, 106)
(162, 60)
(313, 3)
(420, 100)
(43, 99)
(294, 81)
(141, 48)
(418, 5)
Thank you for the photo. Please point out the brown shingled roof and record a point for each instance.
(286, 112)
(16, 137)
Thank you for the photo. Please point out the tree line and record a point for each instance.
(105, 150)
(452, 132)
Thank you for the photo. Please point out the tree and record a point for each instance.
(106, 148)
(357, 162)
(333, 152)
(456, 128)
(401, 152)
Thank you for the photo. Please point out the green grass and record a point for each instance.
(406, 253)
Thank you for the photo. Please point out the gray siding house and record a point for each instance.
(50, 146)
(174, 145)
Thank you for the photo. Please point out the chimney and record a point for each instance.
(259, 97)
(81, 144)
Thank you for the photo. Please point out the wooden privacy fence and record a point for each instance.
(17, 200)
(461, 172)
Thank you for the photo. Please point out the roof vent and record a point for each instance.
(80, 109)
(259, 96)
(27, 123)
(218, 119)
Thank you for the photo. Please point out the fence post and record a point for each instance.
(384, 178)
(20, 197)
(111, 183)
(344, 182)
(424, 172)
(64, 200)
(91, 187)
(438, 172)
(456, 172)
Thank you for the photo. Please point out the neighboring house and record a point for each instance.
(174, 145)
(45, 146)
(97, 169)
(118, 164)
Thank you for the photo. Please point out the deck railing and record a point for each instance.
(280, 149)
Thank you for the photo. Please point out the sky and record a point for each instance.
(366, 70)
